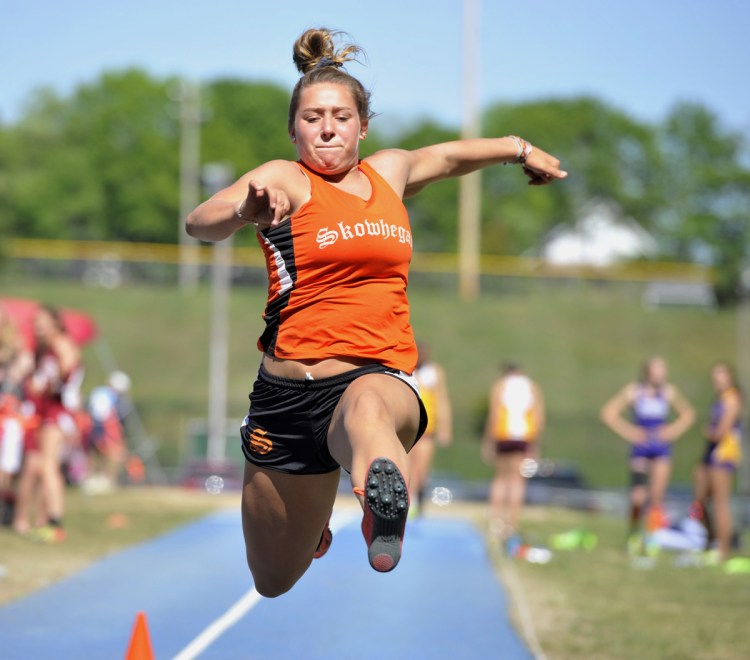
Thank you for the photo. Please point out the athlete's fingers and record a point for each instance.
(542, 168)
(282, 208)
(536, 178)
(257, 196)
(278, 204)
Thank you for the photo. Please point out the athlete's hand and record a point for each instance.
(635, 435)
(542, 168)
(264, 207)
(669, 433)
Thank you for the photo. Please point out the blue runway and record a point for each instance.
(442, 601)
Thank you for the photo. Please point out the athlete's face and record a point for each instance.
(44, 326)
(657, 371)
(721, 378)
(327, 129)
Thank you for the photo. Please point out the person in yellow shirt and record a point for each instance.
(433, 389)
(714, 476)
(514, 425)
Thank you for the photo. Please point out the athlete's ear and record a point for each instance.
(363, 129)
(293, 136)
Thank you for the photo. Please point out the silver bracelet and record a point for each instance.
(244, 219)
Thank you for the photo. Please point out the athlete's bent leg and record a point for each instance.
(282, 519)
(375, 422)
(378, 415)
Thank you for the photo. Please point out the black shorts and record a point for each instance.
(511, 447)
(286, 428)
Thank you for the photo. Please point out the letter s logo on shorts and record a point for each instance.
(259, 442)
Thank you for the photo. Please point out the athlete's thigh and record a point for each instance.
(283, 516)
(509, 464)
(721, 481)
(380, 396)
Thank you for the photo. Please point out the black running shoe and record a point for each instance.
(386, 507)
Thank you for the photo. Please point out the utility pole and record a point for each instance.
(189, 98)
(215, 177)
(470, 185)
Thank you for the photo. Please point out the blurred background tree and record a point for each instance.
(103, 164)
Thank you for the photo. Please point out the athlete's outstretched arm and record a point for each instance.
(260, 198)
(451, 159)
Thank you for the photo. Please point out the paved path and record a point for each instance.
(442, 601)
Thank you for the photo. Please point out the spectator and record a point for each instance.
(54, 390)
(433, 389)
(14, 425)
(651, 402)
(16, 358)
(106, 445)
(512, 434)
(714, 475)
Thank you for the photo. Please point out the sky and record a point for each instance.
(641, 56)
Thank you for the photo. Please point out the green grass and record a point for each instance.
(597, 605)
(581, 341)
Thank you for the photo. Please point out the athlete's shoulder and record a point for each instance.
(286, 175)
(631, 390)
(393, 166)
(388, 158)
(670, 392)
(274, 169)
(732, 394)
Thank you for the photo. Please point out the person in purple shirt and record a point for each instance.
(658, 416)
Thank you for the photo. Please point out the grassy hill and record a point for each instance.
(580, 341)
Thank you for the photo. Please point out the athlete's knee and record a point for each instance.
(271, 583)
(638, 480)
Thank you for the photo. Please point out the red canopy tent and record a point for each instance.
(81, 327)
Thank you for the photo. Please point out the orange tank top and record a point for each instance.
(337, 277)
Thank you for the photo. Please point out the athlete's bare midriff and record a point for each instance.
(316, 369)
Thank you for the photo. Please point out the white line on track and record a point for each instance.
(339, 519)
(523, 610)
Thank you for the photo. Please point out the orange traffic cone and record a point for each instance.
(140, 641)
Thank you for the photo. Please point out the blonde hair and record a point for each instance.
(319, 61)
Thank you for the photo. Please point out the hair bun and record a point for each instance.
(316, 49)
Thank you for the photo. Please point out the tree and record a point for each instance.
(101, 165)
(607, 154)
(704, 213)
(433, 212)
